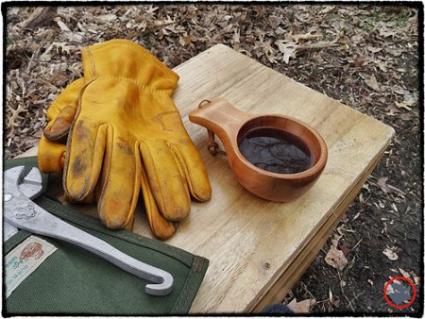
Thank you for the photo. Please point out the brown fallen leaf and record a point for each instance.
(318, 45)
(357, 38)
(382, 65)
(387, 188)
(151, 10)
(279, 31)
(327, 9)
(290, 45)
(288, 48)
(269, 51)
(398, 90)
(305, 36)
(40, 17)
(404, 273)
(390, 253)
(336, 258)
(416, 279)
(107, 17)
(274, 21)
(361, 60)
(303, 306)
(406, 116)
(236, 40)
(372, 83)
(61, 24)
(402, 105)
(384, 30)
(374, 50)
(182, 42)
(409, 98)
(335, 239)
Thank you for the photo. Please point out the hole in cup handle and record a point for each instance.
(203, 103)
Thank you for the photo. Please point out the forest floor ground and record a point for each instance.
(365, 56)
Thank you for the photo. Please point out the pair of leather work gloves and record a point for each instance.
(117, 131)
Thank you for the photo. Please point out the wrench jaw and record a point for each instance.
(16, 185)
(29, 185)
(32, 185)
(12, 176)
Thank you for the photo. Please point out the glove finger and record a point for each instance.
(167, 183)
(68, 97)
(58, 128)
(62, 111)
(160, 227)
(83, 160)
(193, 167)
(120, 182)
(50, 156)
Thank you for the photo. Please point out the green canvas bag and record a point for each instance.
(74, 281)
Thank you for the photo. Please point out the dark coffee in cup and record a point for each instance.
(275, 151)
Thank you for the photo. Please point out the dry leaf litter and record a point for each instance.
(364, 56)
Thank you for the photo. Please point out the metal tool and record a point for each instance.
(23, 213)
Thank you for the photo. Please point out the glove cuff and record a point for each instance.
(125, 59)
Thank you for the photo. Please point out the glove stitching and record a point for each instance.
(147, 55)
(119, 78)
(92, 63)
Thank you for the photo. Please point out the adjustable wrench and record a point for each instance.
(21, 212)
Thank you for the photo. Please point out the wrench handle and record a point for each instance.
(44, 223)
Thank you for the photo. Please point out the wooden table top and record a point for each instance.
(251, 242)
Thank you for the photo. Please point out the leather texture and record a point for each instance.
(126, 134)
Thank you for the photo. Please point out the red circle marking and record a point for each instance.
(406, 280)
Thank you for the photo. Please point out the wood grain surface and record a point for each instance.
(251, 243)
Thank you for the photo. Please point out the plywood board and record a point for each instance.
(251, 242)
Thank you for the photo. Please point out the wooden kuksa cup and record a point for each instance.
(231, 126)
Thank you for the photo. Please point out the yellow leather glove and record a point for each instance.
(52, 149)
(128, 134)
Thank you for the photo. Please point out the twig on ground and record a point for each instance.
(358, 243)
(343, 293)
(40, 16)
